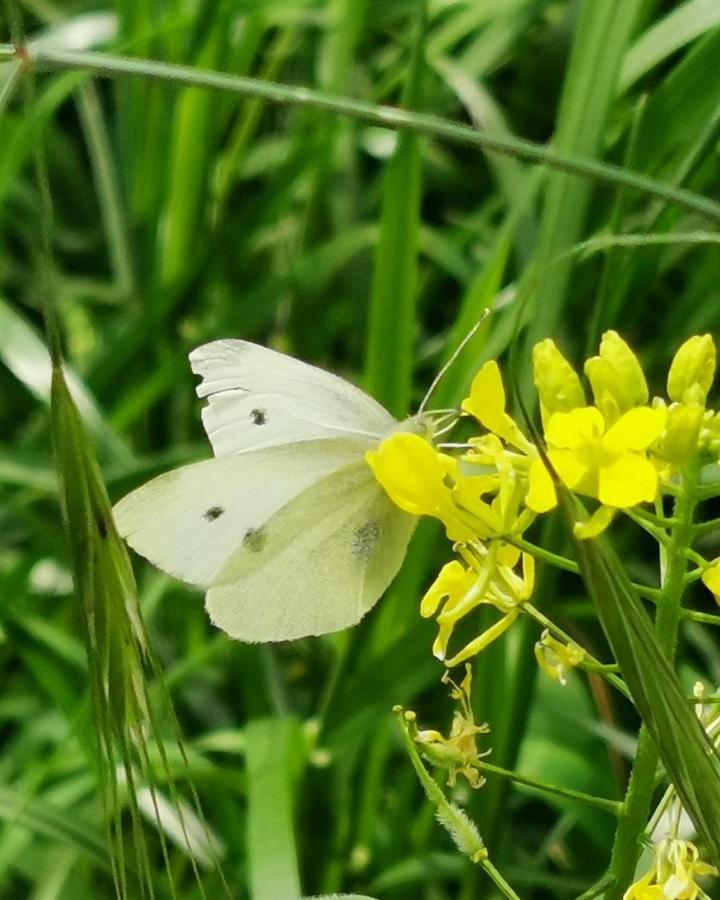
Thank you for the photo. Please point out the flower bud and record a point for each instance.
(617, 380)
(692, 370)
(557, 383)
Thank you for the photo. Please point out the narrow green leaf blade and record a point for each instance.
(686, 751)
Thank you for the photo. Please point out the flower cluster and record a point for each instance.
(621, 450)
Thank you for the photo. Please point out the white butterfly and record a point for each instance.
(286, 527)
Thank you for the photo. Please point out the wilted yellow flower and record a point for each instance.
(556, 658)
(672, 877)
(458, 752)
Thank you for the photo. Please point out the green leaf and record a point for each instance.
(391, 329)
(686, 751)
(273, 749)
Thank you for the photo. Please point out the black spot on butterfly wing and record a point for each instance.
(364, 539)
(254, 539)
(213, 513)
(258, 416)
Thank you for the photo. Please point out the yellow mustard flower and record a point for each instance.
(415, 477)
(610, 464)
(458, 752)
(505, 513)
(616, 378)
(496, 583)
(555, 658)
(675, 870)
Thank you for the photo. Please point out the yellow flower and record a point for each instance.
(415, 476)
(557, 383)
(505, 513)
(645, 889)
(555, 658)
(458, 752)
(490, 580)
(616, 377)
(609, 464)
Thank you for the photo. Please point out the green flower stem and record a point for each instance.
(111, 66)
(611, 806)
(695, 557)
(706, 527)
(569, 565)
(644, 515)
(649, 523)
(626, 849)
(706, 618)
(456, 822)
(692, 576)
(598, 889)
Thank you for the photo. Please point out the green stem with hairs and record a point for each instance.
(455, 821)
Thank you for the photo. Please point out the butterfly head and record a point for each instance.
(422, 424)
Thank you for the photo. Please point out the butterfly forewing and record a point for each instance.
(191, 520)
(261, 398)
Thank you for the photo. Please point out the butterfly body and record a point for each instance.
(286, 527)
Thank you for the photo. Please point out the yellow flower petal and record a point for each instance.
(483, 640)
(711, 578)
(453, 580)
(486, 403)
(541, 495)
(595, 525)
(487, 397)
(629, 480)
(570, 466)
(508, 555)
(413, 475)
(576, 429)
(636, 429)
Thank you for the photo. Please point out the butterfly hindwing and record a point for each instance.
(318, 564)
(261, 398)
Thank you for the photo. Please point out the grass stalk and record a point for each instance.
(113, 66)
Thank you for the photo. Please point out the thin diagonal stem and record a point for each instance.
(111, 66)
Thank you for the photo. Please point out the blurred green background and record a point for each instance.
(181, 215)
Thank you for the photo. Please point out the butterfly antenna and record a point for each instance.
(454, 355)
